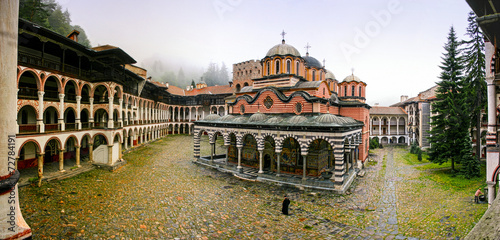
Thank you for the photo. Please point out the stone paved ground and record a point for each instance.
(161, 194)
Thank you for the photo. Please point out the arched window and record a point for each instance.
(345, 91)
(314, 75)
(297, 68)
(288, 66)
(352, 91)
(277, 66)
(268, 68)
(359, 92)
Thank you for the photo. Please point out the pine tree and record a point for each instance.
(451, 119)
(475, 77)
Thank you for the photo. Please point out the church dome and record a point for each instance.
(351, 78)
(283, 49)
(312, 62)
(257, 117)
(329, 75)
(212, 117)
(274, 120)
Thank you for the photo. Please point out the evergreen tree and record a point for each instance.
(450, 123)
(475, 77)
(82, 37)
(37, 11)
(223, 75)
(470, 165)
(193, 84)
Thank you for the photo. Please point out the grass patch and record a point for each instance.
(452, 181)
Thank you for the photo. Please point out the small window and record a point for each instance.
(297, 68)
(268, 102)
(242, 109)
(314, 75)
(288, 66)
(352, 91)
(345, 91)
(298, 108)
(278, 66)
(359, 92)
(268, 68)
(323, 91)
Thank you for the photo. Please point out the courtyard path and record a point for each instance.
(161, 194)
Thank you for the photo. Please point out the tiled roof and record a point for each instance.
(176, 90)
(224, 89)
(378, 110)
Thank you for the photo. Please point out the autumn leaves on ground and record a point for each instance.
(162, 194)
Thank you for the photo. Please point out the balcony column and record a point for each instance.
(371, 126)
(397, 126)
(125, 118)
(110, 112)
(78, 109)
(184, 114)
(91, 117)
(389, 128)
(379, 126)
(61, 112)
(39, 120)
(179, 114)
(120, 109)
(190, 118)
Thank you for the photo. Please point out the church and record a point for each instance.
(290, 121)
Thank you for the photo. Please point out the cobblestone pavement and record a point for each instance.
(161, 194)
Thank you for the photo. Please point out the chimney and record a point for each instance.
(73, 35)
(404, 98)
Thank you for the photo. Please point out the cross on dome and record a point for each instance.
(307, 49)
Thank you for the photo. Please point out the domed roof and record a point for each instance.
(257, 117)
(227, 118)
(312, 62)
(351, 78)
(274, 120)
(297, 119)
(330, 118)
(329, 75)
(283, 49)
(212, 117)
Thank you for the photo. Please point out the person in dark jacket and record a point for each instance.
(286, 203)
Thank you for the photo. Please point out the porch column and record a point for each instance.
(61, 112)
(278, 167)
(91, 152)
(40, 169)
(227, 150)
(261, 152)
(61, 160)
(397, 126)
(126, 143)
(239, 167)
(78, 156)
(9, 200)
(110, 112)
(304, 165)
(212, 151)
(120, 109)
(78, 109)
(190, 115)
(371, 127)
(110, 155)
(120, 151)
(196, 147)
(184, 114)
(39, 120)
(91, 117)
(492, 150)
(389, 129)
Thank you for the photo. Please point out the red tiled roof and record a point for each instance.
(378, 110)
(176, 90)
(211, 90)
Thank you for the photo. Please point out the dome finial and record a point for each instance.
(307, 49)
(352, 71)
(283, 33)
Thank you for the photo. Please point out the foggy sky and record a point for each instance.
(395, 46)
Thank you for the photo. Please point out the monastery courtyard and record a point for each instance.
(161, 194)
